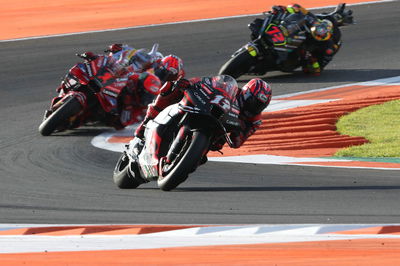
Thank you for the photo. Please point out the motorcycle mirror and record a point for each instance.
(340, 8)
(154, 49)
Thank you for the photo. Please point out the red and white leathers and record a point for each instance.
(140, 91)
(172, 93)
(141, 86)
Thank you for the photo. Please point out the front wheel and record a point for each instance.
(67, 110)
(122, 177)
(185, 163)
(238, 65)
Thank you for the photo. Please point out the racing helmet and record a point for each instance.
(322, 30)
(256, 96)
(170, 68)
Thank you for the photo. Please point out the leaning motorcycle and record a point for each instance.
(276, 46)
(181, 136)
(90, 92)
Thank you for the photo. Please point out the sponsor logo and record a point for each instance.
(263, 97)
(204, 93)
(108, 92)
(230, 122)
(199, 97)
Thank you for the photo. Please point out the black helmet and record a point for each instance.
(256, 95)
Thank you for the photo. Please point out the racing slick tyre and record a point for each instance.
(238, 65)
(185, 163)
(67, 110)
(124, 178)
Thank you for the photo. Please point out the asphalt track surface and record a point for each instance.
(63, 179)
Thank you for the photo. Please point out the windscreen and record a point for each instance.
(226, 85)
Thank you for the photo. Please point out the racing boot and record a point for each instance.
(152, 112)
(312, 68)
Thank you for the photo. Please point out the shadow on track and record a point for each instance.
(273, 189)
(87, 131)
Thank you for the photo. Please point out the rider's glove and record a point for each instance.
(217, 145)
(238, 138)
(182, 84)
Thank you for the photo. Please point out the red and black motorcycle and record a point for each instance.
(178, 139)
(90, 92)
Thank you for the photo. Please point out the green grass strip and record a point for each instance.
(364, 159)
(379, 124)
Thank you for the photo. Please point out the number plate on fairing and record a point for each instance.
(276, 34)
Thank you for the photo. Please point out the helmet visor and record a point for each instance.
(252, 104)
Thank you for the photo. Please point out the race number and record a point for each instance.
(221, 101)
(276, 35)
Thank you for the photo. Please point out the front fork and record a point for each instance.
(177, 144)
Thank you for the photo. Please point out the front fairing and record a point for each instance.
(98, 75)
(148, 161)
(154, 135)
(205, 100)
(277, 35)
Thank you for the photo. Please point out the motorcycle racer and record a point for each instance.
(252, 99)
(141, 86)
(146, 73)
(323, 34)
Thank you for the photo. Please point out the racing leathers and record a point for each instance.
(139, 92)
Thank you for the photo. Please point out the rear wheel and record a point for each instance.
(238, 65)
(124, 178)
(185, 163)
(67, 110)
